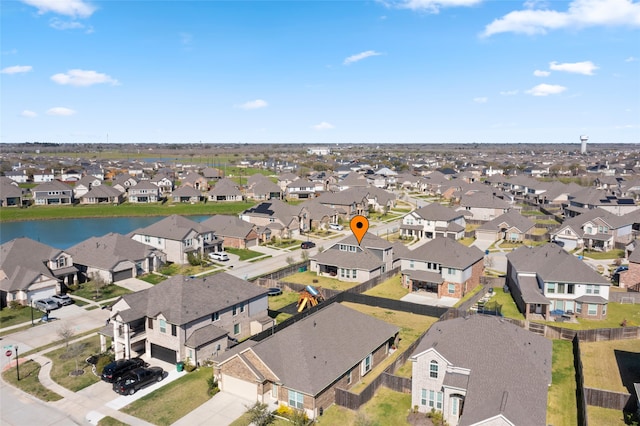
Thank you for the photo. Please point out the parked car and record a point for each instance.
(63, 299)
(621, 269)
(336, 226)
(307, 244)
(137, 379)
(45, 305)
(219, 255)
(112, 372)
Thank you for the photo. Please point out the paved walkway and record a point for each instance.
(221, 410)
(425, 298)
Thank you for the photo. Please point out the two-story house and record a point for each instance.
(510, 226)
(184, 317)
(284, 220)
(30, 271)
(144, 192)
(346, 260)
(301, 189)
(52, 193)
(480, 370)
(442, 266)
(10, 193)
(225, 190)
(546, 281)
(483, 206)
(178, 237)
(595, 229)
(347, 203)
(432, 221)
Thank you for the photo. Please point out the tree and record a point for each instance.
(65, 333)
(260, 415)
(98, 284)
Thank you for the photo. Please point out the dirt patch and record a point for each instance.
(419, 419)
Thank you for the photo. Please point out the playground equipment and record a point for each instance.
(309, 297)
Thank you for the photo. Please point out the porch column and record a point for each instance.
(127, 342)
(103, 343)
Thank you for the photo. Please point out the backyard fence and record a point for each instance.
(581, 400)
(609, 399)
(625, 297)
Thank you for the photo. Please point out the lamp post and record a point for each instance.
(17, 363)
(31, 307)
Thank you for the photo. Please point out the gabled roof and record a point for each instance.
(312, 353)
(225, 187)
(229, 226)
(273, 208)
(186, 191)
(102, 191)
(512, 218)
(174, 227)
(447, 252)
(510, 368)
(22, 260)
(483, 200)
(181, 299)
(436, 211)
(108, 251)
(54, 185)
(553, 264)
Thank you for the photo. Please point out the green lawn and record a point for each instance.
(604, 416)
(284, 244)
(561, 404)
(244, 254)
(509, 308)
(603, 370)
(391, 289)
(110, 421)
(88, 291)
(603, 255)
(467, 241)
(308, 277)
(64, 362)
(173, 401)
(286, 298)
(29, 382)
(152, 278)
(469, 296)
(9, 317)
(616, 313)
(387, 407)
(126, 209)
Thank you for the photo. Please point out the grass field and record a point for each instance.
(385, 408)
(509, 308)
(325, 282)
(616, 313)
(599, 255)
(468, 296)
(29, 382)
(609, 365)
(173, 401)
(244, 254)
(286, 298)
(604, 416)
(561, 406)
(110, 421)
(88, 291)
(64, 361)
(391, 289)
(126, 209)
(9, 317)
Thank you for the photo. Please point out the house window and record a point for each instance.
(452, 288)
(352, 249)
(349, 378)
(411, 264)
(343, 247)
(236, 328)
(593, 289)
(423, 397)
(215, 316)
(592, 309)
(578, 307)
(450, 271)
(560, 288)
(159, 240)
(341, 273)
(163, 326)
(551, 288)
(271, 220)
(296, 399)
(433, 369)
(439, 401)
(366, 364)
(235, 310)
(174, 330)
(432, 399)
(454, 406)
(147, 239)
(570, 288)
(61, 262)
(353, 273)
(150, 323)
(241, 307)
(274, 391)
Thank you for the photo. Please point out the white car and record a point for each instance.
(336, 226)
(219, 255)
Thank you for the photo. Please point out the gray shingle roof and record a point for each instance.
(204, 335)
(436, 211)
(174, 227)
(447, 252)
(512, 219)
(109, 250)
(23, 260)
(510, 367)
(229, 226)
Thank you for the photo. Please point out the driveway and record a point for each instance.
(221, 410)
(425, 298)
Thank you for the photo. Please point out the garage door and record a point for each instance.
(42, 293)
(163, 354)
(122, 275)
(239, 387)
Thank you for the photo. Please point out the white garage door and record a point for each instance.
(486, 235)
(42, 293)
(239, 387)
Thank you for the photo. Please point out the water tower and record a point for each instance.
(583, 144)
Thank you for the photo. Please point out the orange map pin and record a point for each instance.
(359, 226)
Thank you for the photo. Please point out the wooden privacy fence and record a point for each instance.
(609, 399)
(581, 400)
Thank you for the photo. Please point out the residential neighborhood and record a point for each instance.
(486, 289)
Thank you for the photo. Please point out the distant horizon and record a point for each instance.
(320, 72)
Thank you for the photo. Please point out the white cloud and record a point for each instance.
(16, 69)
(83, 78)
(28, 114)
(323, 126)
(585, 68)
(431, 6)
(540, 73)
(257, 104)
(360, 56)
(59, 24)
(631, 59)
(509, 92)
(60, 111)
(74, 8)
(580, 14)
(481, 100)
(546, 89)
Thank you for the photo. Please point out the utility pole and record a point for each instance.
(17, 363)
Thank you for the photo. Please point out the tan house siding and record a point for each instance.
(631, 277)
(237, 368)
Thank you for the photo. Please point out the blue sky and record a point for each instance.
(416, 71)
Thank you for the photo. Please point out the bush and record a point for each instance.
(189, 366)
(212, 386)
(103, 360)
(14, 304)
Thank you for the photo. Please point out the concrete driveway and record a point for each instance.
(221, 410)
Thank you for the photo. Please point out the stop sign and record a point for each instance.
(8, 352)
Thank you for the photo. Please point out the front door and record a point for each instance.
(538, 309)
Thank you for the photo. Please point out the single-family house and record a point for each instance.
(347, 203)
(18, 176)
(103, 194)
(144, 192)
(225, 190)
(433, 221)
(30, 271)
(590, 198)
(186, 194)
(442, 266)
(195, 181)
(71, 175)
(546, 281)
(510, 226)
(483, 206)
(319, 216)
(52, 193)
(163, 183)
(630, 279)
(480, 370)
(233, 231)
(264, 189)
(187, 318)
(43, 176)
(179, 237)
(301, 189)
(594, 229)
(114, 257)
(212, 173)
(302, 365)
(10, 193)
(123, 182)
(84, 185)
(346, 260)
(284, 220)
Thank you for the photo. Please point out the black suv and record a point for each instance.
(136, 379)
(112, 372)
(307, 244)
